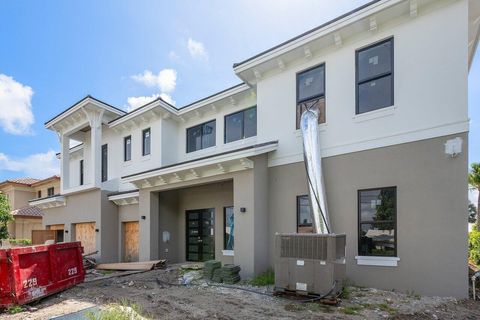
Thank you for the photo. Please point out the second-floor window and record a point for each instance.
(104, 162)
(50, 191)
(81, 172)
(241, 125)
(311, 92)
(146, 142)
(201, 136)
(374, 77)
(127, 148)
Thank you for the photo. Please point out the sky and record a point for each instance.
(53, 53)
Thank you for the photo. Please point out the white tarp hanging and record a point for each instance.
(313, 164)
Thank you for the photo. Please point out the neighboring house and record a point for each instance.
(218, 178)
(19, 192)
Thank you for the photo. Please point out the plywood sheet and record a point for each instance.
(56, 227)
(144, 265)
(85, 233)
(130, 241)
(40, 236)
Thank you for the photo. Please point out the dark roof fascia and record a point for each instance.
(203, 158)
(79, 101)
(307, 32)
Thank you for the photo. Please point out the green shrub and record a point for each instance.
(21, 242)
(264, 279)
(474, 246)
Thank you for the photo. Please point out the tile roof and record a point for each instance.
(26, 181)
(28, 211)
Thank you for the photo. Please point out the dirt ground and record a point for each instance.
(159, 300)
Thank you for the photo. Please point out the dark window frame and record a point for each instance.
(225, 228)
(298, 212)
(319, 96)
(144, 131)
(51, 191)
(360, 222)
(201, 137)
(383, 75)
(104, 164)
(39, 193)
(243, 124)
(125, 148)
(81, 172)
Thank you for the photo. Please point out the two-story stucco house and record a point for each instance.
(219, 177)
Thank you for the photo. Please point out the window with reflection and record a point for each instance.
(241, 125)
(311, 92)
(377, 217)
(304, 215)
(374, 77)
(229, 223)
(201, 136)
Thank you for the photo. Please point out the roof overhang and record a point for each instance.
(158, 108)
(125, 198)
(49, 202)
(227, 162)
(366, 18)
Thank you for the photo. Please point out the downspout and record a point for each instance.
(313, 165)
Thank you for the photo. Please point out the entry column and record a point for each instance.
(148, 207)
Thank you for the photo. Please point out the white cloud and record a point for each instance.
(39, 165)
(137, 102)
(197, 49)
(165, 80)
(16, 115)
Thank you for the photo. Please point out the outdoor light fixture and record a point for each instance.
(143, 217)
(66, 231)
(243, 209)
(96, 230)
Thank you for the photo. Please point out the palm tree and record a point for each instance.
(474, 182)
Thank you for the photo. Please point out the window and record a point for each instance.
(304, 216)
(81, 172)
(50, 191)
(377, 234)
(104, 162)
(374, 76)
(146, 142)
(241, 125)
(127, 148)
(39, 193)
(201, 136)
(228, 224)
(311, 92)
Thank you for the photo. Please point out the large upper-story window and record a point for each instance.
(201, 136)
(146, 142)
(377, 222)
(127, 148)
(104, 162)
(374, 74)
(311, 92)
(304, 216)
(241, 125)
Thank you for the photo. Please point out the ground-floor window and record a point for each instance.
(377, 222)
(228, 221)
(304, 215)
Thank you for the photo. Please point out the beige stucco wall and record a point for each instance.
(431, 206)
(22, 227)
(44, 188)
(20, 198)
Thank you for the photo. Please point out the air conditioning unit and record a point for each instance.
(310, 263)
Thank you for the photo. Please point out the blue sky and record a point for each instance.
(53, 53)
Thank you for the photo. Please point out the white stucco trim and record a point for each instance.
(50, 202)
(377, 261)
(228, 253)
(79, 189)
(125, 198)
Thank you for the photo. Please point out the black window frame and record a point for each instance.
(39, 194)
(144, 131)
(360, 222)
(319, 96)
(201, 137)
(125, 148)
(225, 228)
(51, 191)
(383, 75)
(81, 169)
(243, 124)
(104, 163)
(298, 213)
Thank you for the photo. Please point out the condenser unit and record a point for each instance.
(310, 263)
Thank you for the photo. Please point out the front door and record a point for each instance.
(200, 234)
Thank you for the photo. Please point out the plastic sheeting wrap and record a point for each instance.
(313, 164)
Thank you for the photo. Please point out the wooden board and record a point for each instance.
(85, 233)
(130, 241)
(56, 227)
(40, 236)
(144, 265)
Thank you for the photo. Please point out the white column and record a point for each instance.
(95, 166)
(65, 163)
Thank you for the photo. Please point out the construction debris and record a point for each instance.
(230, 273)
(209, 268)
(126, 266)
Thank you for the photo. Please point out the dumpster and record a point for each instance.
(30, 273)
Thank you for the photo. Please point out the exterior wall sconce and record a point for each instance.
(143, 217)
(243, 209)
(66, 231)
(96, 230)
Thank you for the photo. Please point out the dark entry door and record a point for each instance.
(200, 235)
